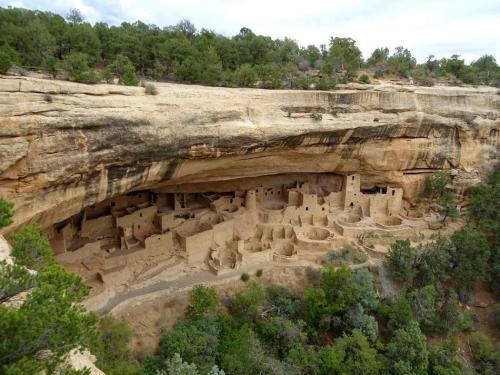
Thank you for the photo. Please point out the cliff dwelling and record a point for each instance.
(246, 222)
(197, 182)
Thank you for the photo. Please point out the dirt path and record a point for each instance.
(171, 286)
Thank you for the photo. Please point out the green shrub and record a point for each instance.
(77, 66)
(129, 78)
(6, 212)
(51, 65)
(14, 279)
(326, 84)
(466, 321)
(470, 253)
(302, 83)
(485, 353)
(195, 341)
(5, 61)
(158, 70)
(363, 78)
(435, 185)
(407, 351)
(399, 260)
(123, 68)
(245, 277)
(379, 73)
(347, 254)
(247, 305)
(150, 89)
(258, 273)
(112, 350)
(495, 316)
(244, 76)
(443, 359)
(448, 206)
(317, 117)
(31, 248)
(202, 300)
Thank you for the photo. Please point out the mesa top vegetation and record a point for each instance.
(75, 49)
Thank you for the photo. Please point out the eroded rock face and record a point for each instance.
(66, 146)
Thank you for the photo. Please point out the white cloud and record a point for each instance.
(439, 27)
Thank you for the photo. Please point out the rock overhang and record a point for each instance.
(90, 143)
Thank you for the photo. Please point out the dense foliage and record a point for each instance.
(330, 328)
(484, 214)
(49, 320)
(6, 212)
(74, 48)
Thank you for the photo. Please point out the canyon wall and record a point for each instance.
(65, 146)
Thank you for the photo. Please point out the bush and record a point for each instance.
(6, 212)
(158, 70)
(51, 318)
(150, 89)
(197, 342)
(326, 84)
(302, 83)
(347, 254)
(123, 68)
(399, 260)
(112, 350)
(317, 117)
(425, 81)
(5, 61)
(286, 302)
(448, 206)
(363, 78)
(51, 65)
(245, 277)
(247, 305)
(77, 66)
(495, 316)
(443, 359)
(435, 185)
(244, 76)
(379, 73)
(484, 352)
(407, 351)
(432, 262)
(469, 256)
(31, 248)
(129, 78)
(13, 280)
(350, 354)
(259, 273)
(397, 315)
(202, 300)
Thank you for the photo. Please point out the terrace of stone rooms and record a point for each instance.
(284, 219)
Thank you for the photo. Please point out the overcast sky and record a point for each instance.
(469, 28)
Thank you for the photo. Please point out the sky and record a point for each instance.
(470, 28)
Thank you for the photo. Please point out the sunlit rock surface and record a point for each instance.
(65, 146)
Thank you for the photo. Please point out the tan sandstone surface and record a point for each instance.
(65, 146)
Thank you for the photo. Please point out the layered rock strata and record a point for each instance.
(66, 146)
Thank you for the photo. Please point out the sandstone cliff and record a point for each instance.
(65, 146)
